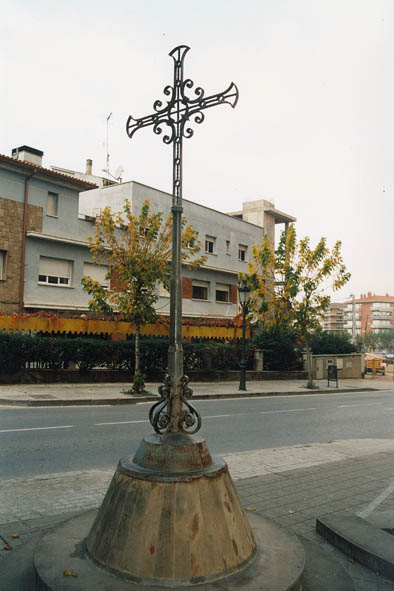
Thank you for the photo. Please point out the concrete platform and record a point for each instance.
(278, 566)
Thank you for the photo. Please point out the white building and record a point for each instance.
(211, 290)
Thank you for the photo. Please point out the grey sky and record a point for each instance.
(313, 130)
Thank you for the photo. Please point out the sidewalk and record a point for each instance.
(86, 394)
(291, 485)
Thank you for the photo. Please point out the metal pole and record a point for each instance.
(242, 379)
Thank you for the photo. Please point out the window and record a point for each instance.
(191, 242)
(200, 290)
(242, 249)
(210, 244)
(97, 272)
(228, 247)
(222, 292)
(3, 254)
(55, 271)
(52, 204)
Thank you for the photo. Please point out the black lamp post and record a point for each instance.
(244, 296)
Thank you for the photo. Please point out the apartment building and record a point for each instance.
(46, 217)
(211, 290)
(39, 228)
(334, 317)
(369, 313)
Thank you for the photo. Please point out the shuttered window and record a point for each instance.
(96, 272)
(222, 292)
(55, 271)
(52, 205)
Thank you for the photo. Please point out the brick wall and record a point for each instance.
(233, 296)
(187, 288)
(11, 229)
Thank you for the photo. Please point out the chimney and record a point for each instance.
(89, 167)
(28, 154)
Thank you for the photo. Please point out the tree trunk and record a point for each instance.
(137, 350)
(310, 383)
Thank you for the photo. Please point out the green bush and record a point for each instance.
(331, 343)
(279, 347)
(19, 351)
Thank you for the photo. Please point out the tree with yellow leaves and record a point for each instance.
(137, 250)
(290, 284)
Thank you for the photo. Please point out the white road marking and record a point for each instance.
(263, 412)
(120, 423)
(230, 415)
(361, 404)
(36, 429)
(376, 502)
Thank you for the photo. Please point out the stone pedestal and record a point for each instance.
(171, 518)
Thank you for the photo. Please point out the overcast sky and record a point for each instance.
(313, 130)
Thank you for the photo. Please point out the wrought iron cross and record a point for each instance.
(173, 413)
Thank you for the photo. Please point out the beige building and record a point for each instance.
(264, 214)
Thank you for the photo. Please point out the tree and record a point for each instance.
(289, 285)
(137, 250)
(326, 342)
(381, 339)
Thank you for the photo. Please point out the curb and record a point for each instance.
(123, 401)
(362, 541)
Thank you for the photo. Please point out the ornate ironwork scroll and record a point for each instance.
(190, 419)
(172, 118)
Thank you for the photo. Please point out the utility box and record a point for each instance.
(350, 365)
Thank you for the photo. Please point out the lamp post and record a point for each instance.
(244, 296)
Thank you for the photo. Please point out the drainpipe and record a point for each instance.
(23, 254)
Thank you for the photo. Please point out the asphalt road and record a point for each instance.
(36, 441)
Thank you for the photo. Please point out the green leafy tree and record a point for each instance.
(326, 342)
(382, 339)
(290, 284)
(137, 250)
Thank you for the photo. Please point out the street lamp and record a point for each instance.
(244, 296)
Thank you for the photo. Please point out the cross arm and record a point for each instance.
(155, 119)
(229, 96)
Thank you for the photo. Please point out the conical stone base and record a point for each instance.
(171, 516)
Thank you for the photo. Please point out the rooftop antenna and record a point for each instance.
(119, 171)
(107, 169)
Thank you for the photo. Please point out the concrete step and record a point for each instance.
(361, 540)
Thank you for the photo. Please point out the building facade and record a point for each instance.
(369, 313)
(38, 219)
(211, 290)
(46, 217)
(334, 317)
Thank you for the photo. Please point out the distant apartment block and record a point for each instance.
(371, 313)
(334, 317)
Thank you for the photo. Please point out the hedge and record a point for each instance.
(19, 351)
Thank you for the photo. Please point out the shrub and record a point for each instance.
(331, 343)
(86, 353)
(279, 346)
